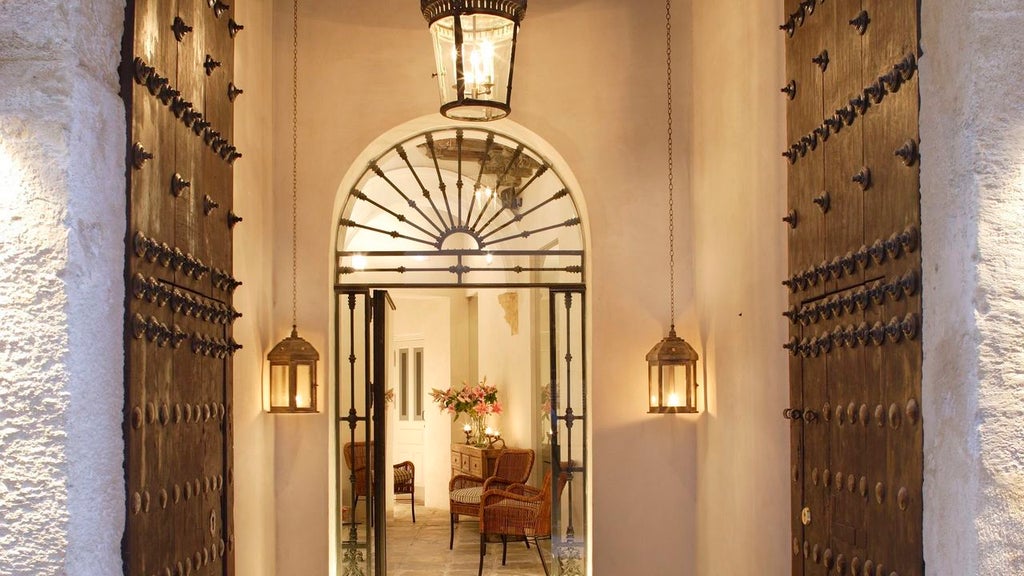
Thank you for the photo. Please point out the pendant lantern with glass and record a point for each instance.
(293, 375)
(293, 360)
(672, 366)
(672, 363)
(474, 52)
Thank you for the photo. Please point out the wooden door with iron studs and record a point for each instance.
(177, 83)
(854, 286)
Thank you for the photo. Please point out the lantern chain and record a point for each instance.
(671, 183)
(295, 152)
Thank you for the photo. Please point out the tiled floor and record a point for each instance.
(421, 549)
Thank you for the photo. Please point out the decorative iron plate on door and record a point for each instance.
(178, 88)
(854, 278)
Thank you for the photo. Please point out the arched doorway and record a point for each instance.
(455, 209)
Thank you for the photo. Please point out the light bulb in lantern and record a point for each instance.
(673, 399)
(477, 67)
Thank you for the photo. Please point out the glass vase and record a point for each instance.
(478, 436)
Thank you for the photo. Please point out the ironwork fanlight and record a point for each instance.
(293, 375)
(475, 51)
(672, 374)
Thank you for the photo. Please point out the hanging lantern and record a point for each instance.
(293, 375)
(475, 51)
(293, 360)
(672, 376)
(672, 363)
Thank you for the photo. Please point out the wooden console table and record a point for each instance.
(473, 461)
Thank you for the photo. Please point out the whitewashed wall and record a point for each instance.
(61, 289)
(972, 193)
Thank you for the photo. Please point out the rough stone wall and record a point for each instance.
(61, 287)
(972, 132)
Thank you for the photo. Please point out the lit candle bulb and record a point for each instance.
(673, 399)
(467, 428)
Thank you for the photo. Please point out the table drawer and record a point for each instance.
(476, 466)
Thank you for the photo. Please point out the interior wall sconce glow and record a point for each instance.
(474, 54)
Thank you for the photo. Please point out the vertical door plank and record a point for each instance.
(178, 358)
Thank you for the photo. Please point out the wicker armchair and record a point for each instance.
(519, 512)
(513, 466)
(355, 459)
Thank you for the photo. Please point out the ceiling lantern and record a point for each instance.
(475, 52)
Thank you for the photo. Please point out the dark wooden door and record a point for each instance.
(176, 83)
(854, 277)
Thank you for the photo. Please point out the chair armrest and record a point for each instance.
(407, 465)
(494, 496)
(463, 481)
(524, 490)
(495, 483)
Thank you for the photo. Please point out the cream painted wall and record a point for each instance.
(255, 533)
(739, 196)
(504, 359)
(597, 99)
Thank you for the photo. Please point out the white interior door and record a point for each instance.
(410, 396)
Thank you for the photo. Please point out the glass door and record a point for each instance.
(569, 436)
(360, 377)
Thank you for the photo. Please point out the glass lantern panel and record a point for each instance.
(279, 396)
(486, 54)
(673, 385)
(303, 386)
(444, 50)
(655, 385)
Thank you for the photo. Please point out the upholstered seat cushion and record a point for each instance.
(403, 476)
(531, 506)
(469, 495)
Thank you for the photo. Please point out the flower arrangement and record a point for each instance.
(477, 402)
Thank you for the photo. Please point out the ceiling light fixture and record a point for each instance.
(474, 52)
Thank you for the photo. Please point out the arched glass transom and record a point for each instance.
(460, 206)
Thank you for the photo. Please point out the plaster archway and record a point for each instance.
(536, 146)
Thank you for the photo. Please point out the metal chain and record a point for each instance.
(671, 183)
(295, 151)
